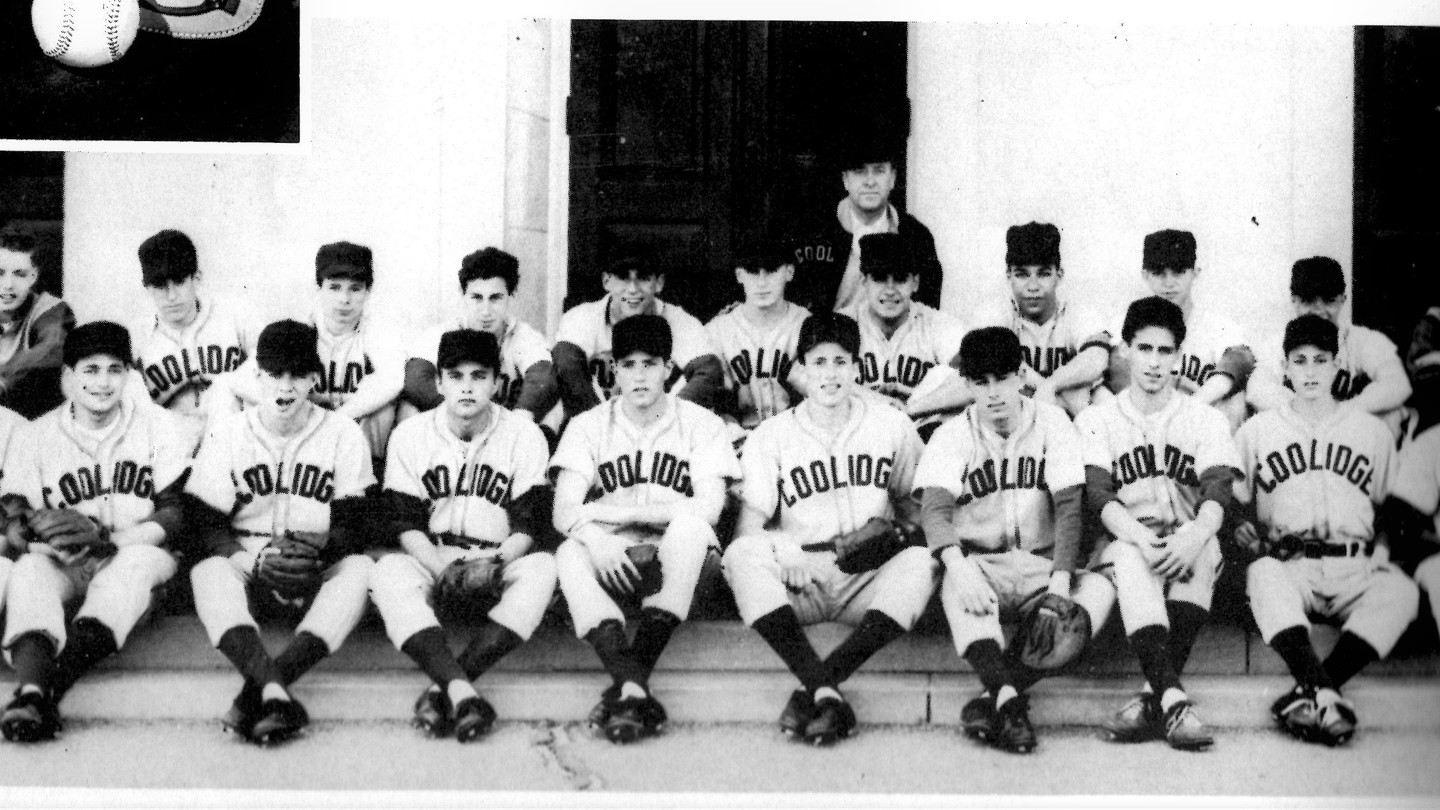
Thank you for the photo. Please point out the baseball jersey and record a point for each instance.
(895, 365)
(110, 474)
(1364, 355)
(1002, 485)
(1316, 481)
(1050, 345)
(628, 465)
(757, 359)
(819, 483)
(521, 347)
(9, 423)
(1418, 480)
(588, 325)
(179, 365)
(467, 485)
(1155, 460)
(270, 484)
(365, 363)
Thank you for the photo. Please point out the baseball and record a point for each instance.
(85, 33)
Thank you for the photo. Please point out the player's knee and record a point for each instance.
(1399, 594)
(745, 553)
(1427, 575)
(30, 565)
(1263, 574)
(917, 565)
(539, 568)
(353, 568)
(690, 530)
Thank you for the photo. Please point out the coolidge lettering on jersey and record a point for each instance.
(1337, 458)
(1048, 359)
(304, 480)
(332, 382)
(89, 483)
(908, 371)
(173, 370)
(479, 481)
(768, 365)
(661, 469)
(1025, 473)
(1140, 463)
(818, 477)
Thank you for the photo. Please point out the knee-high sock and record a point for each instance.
(874, 631)
(33, 655)
(613, 649)
(304, 651)
(781, 630)
(1351, 654)
(1155, 658)
(652, 633)
(90, 643)
(429, 649)
(1293, 645)
(247, 653)
(989, 664)
(1186, 621)
(493, 642)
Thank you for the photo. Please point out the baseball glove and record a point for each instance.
(873, 544)
(1253, 544)
(69, 531)
(289, 566)
(646, 558)
(16, 514)
(466, 583)
(1053, 633)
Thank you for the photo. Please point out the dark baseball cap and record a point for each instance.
(641, 333)
(168, 256)
(345, 260)
(1032, 243)
(97, 337)
(1312, 330)
(288, 346)
(468, 346)
(769, 253)
(1317, 277)
(885, 255)
(990, 350)
(639, 258)
(1153, 311)
(1170, 249)
(828, 327)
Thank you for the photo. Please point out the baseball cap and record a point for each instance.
(634, 257)
(828, 327)
(96, 337)
(468, 346)
(990, 350)
(345, 260)
(168, 256)
(287, 346)
(1317, 277)
(1312, 330)
(765, 254)
(884, 255)
(641, 333)
(870, 136)
(1169, 249)
(1032, 243)
(1153, 311)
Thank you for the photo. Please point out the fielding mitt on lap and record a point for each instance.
(289, 567)
(69, 531)
(1053, 633)
(873, 544)
(466, 583)
(646, 559)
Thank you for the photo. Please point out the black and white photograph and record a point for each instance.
(608, 410)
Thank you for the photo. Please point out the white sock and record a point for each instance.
(630, 689)
(274, 691)
(458, 690)
(1003, 695)
(1326, 697)
(31, 689)
(827, 692)
(1171, 697)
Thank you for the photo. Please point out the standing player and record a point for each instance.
(584, 362)
(526, 376)
(190, 344)
(92, 497)
(277, 489)
(756, 340)
(1160, 468)
(644, 475)
(1369, 373)
(32, 329)
(822, 475)
(1065, 345)
(1001, 488)
(1314, 471)
(465, 482)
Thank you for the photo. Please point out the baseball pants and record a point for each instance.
(1142, 593)
(682, 550)
(117, 591)
(5, 565)
(1427, 576)
(1376, 604)
(1018, 578)
(222, 596)
(900, 588)
(402, 588)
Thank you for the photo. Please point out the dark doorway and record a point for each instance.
(32, 195)
(1397, 174)
(690, 137)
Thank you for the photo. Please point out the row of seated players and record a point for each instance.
(1004, 493)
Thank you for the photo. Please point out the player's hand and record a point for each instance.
(612, 564)
(794, 566)
(965, 583)
(513, 548)
(1181, 549)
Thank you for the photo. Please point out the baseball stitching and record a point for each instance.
(67, 33)
(112, 27)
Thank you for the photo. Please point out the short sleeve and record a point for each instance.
(942, 463)
(1088, 326)
(174, 446)
(212, 477)
(1417, 482)
(1245, 449)
(949, 331)
(760, 469)
(532, 455)
(353, 473)
(577, 327)
(577, 451)
(22, 472)
(1387, 461)
(1214, 445)
(907, 458)
(529, 348)
(402, 473)
(1064, 453)
(713, 456)
(1095, 451)
(691, 342)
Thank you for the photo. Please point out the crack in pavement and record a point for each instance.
(553, 742)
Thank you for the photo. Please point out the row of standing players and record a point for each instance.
(1008, 488)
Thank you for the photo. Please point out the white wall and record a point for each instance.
(1241, 134)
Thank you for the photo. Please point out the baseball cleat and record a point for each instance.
(625, 724)
(474, 717)
(977, 718)
(243, 712)
(1336, 722)
(432, 713)
(1140, 720)
(281, 720)
(1296, 712)
(30, 717)
(1183, 730)
(798, 711)
(1012, 729)
(600, 715)
(653, 715)
(833, 720)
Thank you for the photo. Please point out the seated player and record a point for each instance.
(1159, 468)
(1001, 496)
(91, 496)
(1422, 363)
(187, 349)
(901, 340)
(756, 340)
(643, 473)
(33, 325)
(467, 486)
(820, 480)
(1215, 363)
(1369, 372)
(276, 494)
(9, 423)
(584, 362)
(526, 381)
(1412, 513)
(1313, 472)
